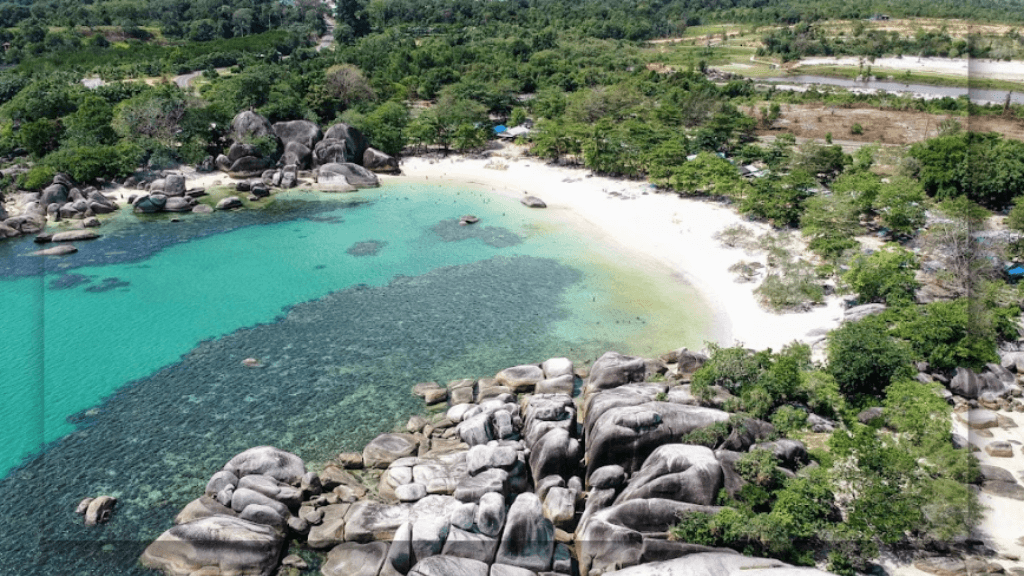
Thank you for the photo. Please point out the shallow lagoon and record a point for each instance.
(346, 300)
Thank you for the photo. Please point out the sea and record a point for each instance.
(122, 365)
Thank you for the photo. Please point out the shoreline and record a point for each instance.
(675, 234)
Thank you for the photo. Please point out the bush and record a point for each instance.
(87, 163)
(38, 177)
(884, 276)
(789, 419)
(950, 334)
(863, 357)
(856, 129)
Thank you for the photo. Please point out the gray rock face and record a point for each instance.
(352, 139)
(613, 369)
(490, 514)
(386, 448)
(174, 185)
(216, 545)
(229, 203)
(301, 132)
(679, 472)
(449, 566)
(560, 507)
(243, 498)
(239, 150)
(722, 563)
(100, 510)
(528, 540)
(247, 126)
(202, 507)
(557, 385)
(466, 544)
(62, 250)
(271, 488)
(248, 167)
(628, 435)
(520, 379)
(970, 385)
(75, 236)
(351, 559)
(54, 193)
(472, 488)
(556, 453)
(377, 161)
(792, 454)
(268, 461)
(352, 174)
(221, 486)
(331, 527)
(613, 537)
(297, 154)
(482, 457)
(612, 476)
(428, 537)
(178, 204)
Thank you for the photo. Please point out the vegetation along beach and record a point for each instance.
(512, 288)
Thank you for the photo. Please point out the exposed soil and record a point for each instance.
(884, 126)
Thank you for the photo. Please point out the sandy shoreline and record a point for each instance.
(675, 233)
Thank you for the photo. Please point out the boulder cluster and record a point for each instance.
(61, 200)
(538, 470)
(283, 153)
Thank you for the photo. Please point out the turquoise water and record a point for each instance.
(128, 370)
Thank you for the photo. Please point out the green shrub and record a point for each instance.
(38, 177)
(884, 276)
(789, 419)
(950, 334)
(863, 357)
(85, 164)
(856, 129)
(796, 287)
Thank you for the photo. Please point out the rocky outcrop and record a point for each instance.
(492, 485)
(341, 175)
(247, 126)
(353, 145)
(377, 161)
(719, 563)
(302, 132)
(216, 545)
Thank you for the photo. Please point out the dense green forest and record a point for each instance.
(578, 72)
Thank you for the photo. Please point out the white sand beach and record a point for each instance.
(675, 233)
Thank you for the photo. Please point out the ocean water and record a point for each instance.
(124, 371)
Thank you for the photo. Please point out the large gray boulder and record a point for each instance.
(248, 126)
(680, 472)
(377, 161)
(529, 538)
(239, 150)
(202, 507)
(296, 154)
(970, 385)
(351, 174)
(301, 132)
(556, 453)
(614, 537)
(355, 144)
(248, 167)
(719, 563)
(54, 193)
(628, 435)
(466, 544)
(386, 448)
(216, 545)
(352, 559)
(613, 369)
(490, 514)
(268, 461)
(174, 185)
(331, 529)
(272, 488)
(449, 566)
(520, 378)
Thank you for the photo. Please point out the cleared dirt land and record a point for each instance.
(884, 126)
